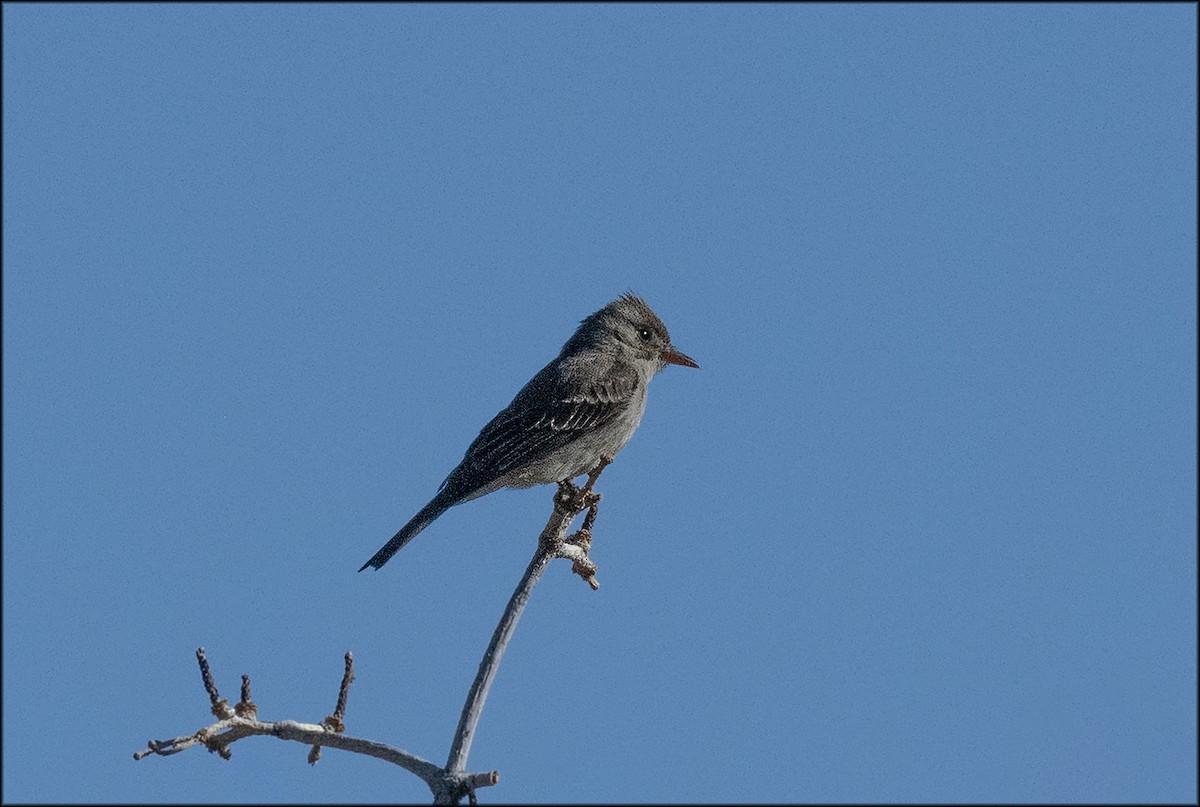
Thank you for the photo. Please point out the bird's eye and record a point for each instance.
(644, 334)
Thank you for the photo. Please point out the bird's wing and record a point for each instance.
(553, 409)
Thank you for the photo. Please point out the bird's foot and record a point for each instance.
(567, 491)
(571, 500)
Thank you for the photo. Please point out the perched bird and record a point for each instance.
(584, 404)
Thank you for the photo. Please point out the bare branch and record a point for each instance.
(220, 706)
(219, 736)
(222, 734)
(339, 711)
(473, 709)
(334, 722)
(569, 502)
(246, 707)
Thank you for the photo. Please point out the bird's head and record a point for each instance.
(628, 325)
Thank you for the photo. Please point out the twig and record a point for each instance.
(339, 711)
(223, 733)
(473, 708)
(246, 707)
(569, 501)
(335, 722)
(220, 706)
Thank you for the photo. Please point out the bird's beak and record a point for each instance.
(673, 356)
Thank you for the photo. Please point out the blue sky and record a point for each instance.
(921, 528)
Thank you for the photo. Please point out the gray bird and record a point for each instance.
(584, 404)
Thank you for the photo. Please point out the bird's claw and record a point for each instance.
(572, 499)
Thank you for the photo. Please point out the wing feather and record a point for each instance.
(549, 412)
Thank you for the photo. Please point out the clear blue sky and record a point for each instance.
(923, 527)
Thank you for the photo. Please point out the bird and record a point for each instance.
(585, 404)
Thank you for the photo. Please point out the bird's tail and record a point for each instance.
(420, 521)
